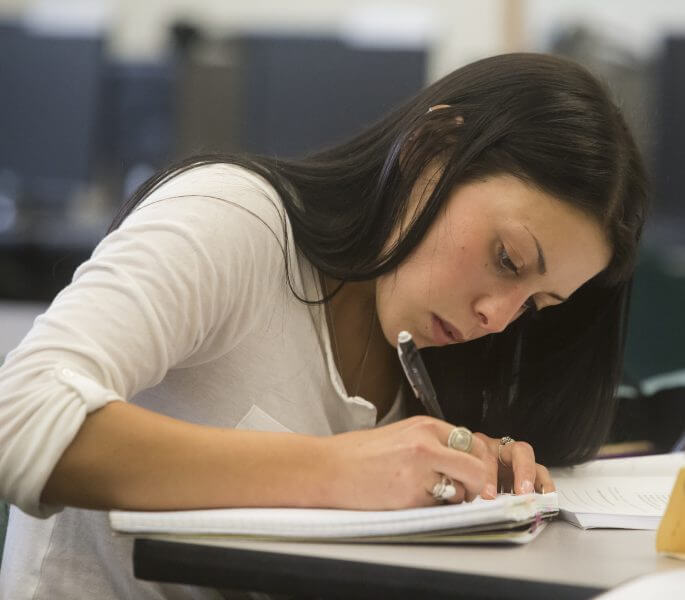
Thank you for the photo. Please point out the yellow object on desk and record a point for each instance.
(670, 538)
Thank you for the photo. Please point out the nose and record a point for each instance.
(496, 311)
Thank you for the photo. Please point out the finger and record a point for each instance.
(522, 461)
(461, 467)
(479, 442)
(467, 468)
(479, 450)
(489, 458)
(543, 480)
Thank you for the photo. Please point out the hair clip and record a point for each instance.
(438, 106)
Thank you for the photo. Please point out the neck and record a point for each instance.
(366, 362)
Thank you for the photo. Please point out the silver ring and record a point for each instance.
(461, 439)
(444, 489)
(503, 442)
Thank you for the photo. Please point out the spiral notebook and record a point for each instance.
(630, 493)
(507, 519)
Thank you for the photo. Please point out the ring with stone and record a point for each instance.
(461, 439)
(503, 442)
(444, 489)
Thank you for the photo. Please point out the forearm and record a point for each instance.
(128, 457)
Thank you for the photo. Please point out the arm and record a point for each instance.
(159, 291)
(125, 456)
(130, 458)
(175, 283)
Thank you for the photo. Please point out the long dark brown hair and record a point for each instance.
(549, 378)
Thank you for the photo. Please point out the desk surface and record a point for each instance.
(563, 562)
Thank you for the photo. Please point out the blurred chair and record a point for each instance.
(209, 98)
(286, 95)
(51, 90)
(138, 120)
(51, 85)
(652, 406)
(301, 94)
(670, 175)
(656, 325)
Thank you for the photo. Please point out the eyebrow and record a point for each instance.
(542, 265)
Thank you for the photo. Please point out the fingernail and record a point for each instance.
(526, 486)
(490, 490)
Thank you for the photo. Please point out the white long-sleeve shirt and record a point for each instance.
(184, 310)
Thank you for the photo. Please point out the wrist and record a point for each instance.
(323, 469)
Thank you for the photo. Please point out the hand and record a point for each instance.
(522, 474)
(396, 466)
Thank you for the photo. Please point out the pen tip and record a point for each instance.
(403, 337)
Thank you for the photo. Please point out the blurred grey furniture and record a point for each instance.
(656, 328)
(49, 118)
(670, 175)
(51, 85)
(287, 95)
(652, 400)
(301, 94)
(562, 563)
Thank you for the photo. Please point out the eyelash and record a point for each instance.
(505, 263)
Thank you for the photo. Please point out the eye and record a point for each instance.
(505, 262)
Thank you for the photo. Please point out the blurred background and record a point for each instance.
(96, 95)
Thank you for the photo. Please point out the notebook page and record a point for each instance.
(644, 496)
(659, 464)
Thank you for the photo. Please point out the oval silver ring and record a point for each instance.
(461, 439)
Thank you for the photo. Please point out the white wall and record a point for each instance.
(465, 29)
(637, 24)
(462, 30)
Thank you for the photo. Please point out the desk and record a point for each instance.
(563, 563)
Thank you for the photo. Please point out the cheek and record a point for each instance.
(438, 277)
(471, 263)
(401, 300)
(391, 304)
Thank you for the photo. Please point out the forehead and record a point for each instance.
(505, 206)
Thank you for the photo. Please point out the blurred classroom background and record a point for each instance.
(96, 95)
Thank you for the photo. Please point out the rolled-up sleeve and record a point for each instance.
(184, 276)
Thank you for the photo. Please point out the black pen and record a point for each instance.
(416, 373)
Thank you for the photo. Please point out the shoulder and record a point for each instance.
(219, 208)
(218, 191)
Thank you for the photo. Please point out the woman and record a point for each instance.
(231, 341)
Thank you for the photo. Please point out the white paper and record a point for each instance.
(660, 464)
(332, 523)
(646, 496)
(630, 493)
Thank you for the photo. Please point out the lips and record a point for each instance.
(445, 333)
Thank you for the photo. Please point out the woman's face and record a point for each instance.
(499, 248)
